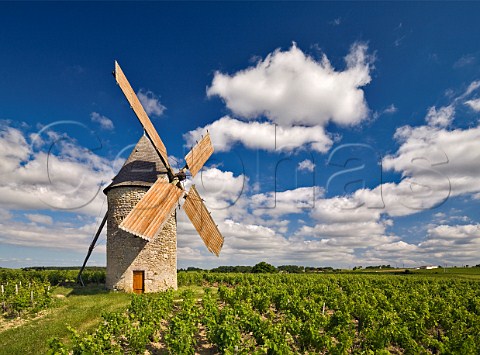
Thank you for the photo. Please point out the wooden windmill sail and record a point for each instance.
(154, 209)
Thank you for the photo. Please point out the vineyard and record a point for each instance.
(22, 295)
(290, 314)
(27, 292)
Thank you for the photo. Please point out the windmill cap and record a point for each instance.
(142, 168)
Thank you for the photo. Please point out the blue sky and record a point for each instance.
(363, 117)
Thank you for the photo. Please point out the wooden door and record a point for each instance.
(138, 281)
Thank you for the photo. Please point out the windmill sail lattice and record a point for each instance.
(141, 114)
(199, 155)
(150, 214)
(202, 221)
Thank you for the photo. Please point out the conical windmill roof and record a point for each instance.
(142, 168)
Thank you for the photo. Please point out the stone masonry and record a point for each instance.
(127, 253)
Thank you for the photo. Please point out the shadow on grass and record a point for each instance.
(92, 289)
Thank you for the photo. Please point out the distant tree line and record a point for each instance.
(263, 267)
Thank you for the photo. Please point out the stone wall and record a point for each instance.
(127, 253)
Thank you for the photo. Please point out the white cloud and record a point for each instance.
(298, 96)
(399, 41)
(150, 102)
(5, 214)
(255, 228)
(390, 109)
(436, 162)
(474, 104)
(220, 189)
(105, 122)
(464, 61)
(248, 237)
(351, 235)
(344, 230)
(226, 131)
(351, 209)
(70, 177)
(175, 162)
(458, 244)
(440, 159)
(339, 238)
(336, 22)
(306, 165)
(290, 88)
(441, 117)
(14, 149)
(39, 218)
(248, 243)
(474, 85)
(452, 233)
(55, 235)
(280, 203)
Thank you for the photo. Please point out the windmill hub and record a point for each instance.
(181, 175)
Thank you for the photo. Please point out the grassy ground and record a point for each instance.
(79, 307)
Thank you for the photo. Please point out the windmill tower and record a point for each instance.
(141, 215)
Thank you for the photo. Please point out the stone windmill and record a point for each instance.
(141, 215)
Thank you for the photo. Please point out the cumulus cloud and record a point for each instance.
(390, 109)
(256, 228)
(227, 131)
(290, 87)
(68, 178)
(434, 160)
(104, 122)
(439, 158)
(474, 85)
(474, 104)
(39, 218)
(150, 102)
(292, 96)
(280, 203)
(345, 229)
(14, 149)
(441, 117)
(436, 163)
(451, 244)
(352, 235)
(345, 209)
(250, 238)
(220, 189)
(306, 165)
(55, 235)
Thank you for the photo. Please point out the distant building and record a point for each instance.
(427, 267)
